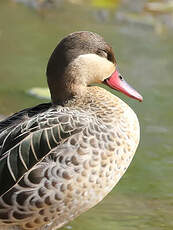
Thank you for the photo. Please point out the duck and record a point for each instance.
(61, 158)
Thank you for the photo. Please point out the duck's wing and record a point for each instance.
(29, 141)
(23, 115)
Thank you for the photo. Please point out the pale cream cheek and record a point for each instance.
(95, 68)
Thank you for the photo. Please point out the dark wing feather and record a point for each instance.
(24, 114)
(29, 141)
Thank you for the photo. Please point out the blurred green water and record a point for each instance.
(143, 199)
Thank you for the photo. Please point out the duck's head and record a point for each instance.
(79, 60)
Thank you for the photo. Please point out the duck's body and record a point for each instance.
(57, 161)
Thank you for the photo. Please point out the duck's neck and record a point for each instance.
(66, 90)
(99, 101)
(61, 95)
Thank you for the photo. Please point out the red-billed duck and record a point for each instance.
(59, 159)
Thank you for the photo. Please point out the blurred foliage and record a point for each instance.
(112, 4)
(159, 7)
